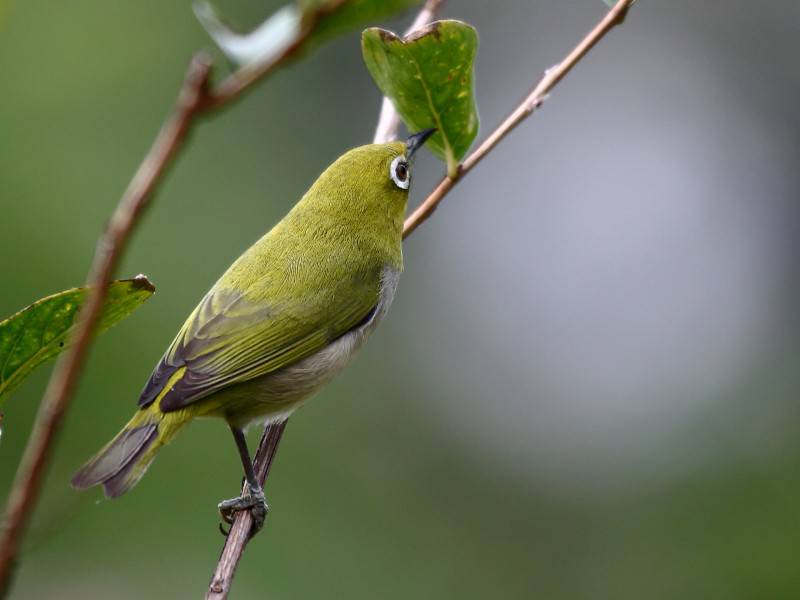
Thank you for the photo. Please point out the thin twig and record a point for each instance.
(389, 120)
(239, 534)
(533, 101)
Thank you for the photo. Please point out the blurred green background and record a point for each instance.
(587, 386)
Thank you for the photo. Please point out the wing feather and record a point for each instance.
(232, 337)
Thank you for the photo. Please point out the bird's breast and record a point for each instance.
(278, 393)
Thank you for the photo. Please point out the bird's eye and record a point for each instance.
(400, 173)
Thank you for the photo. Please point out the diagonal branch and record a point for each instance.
(239, 534)
(532, 102)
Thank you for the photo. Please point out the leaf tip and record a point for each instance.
(141, 282)
(384, 34)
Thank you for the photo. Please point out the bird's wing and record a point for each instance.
(229, 338)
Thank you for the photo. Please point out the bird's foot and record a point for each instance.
(253, 501)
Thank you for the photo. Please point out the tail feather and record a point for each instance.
(123, 461)
(117, 455)
(132, 471)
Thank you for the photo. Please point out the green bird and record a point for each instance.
(281, 322)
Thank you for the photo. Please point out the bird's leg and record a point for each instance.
(253, 499)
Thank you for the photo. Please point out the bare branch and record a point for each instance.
(533, 101)
(389, 120)
(239, 534)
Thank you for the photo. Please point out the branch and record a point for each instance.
(532, 102)
(239, 534)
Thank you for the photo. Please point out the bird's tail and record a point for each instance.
(123, 461)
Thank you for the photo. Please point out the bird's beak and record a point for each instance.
(415, 141)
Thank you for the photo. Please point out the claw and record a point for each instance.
(253, 501)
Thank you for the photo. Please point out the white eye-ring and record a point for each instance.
(400, 173)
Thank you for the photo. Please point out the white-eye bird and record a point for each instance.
(282, 321)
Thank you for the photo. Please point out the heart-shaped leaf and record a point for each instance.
(42, 330)
(428, 76)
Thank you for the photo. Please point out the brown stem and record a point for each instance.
(532, 101)
(239, 534)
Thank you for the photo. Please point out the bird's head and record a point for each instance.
(369, 184)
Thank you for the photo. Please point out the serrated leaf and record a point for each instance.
(42, 330)
(429, 79)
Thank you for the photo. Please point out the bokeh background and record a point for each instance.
(588, 384)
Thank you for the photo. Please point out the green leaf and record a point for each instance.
(325, 18)
(429, 79)
(335, 17)
(42, 330)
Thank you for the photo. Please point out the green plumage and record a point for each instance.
(282, 320)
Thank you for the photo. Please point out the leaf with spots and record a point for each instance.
(42, 330)
(429, 78)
